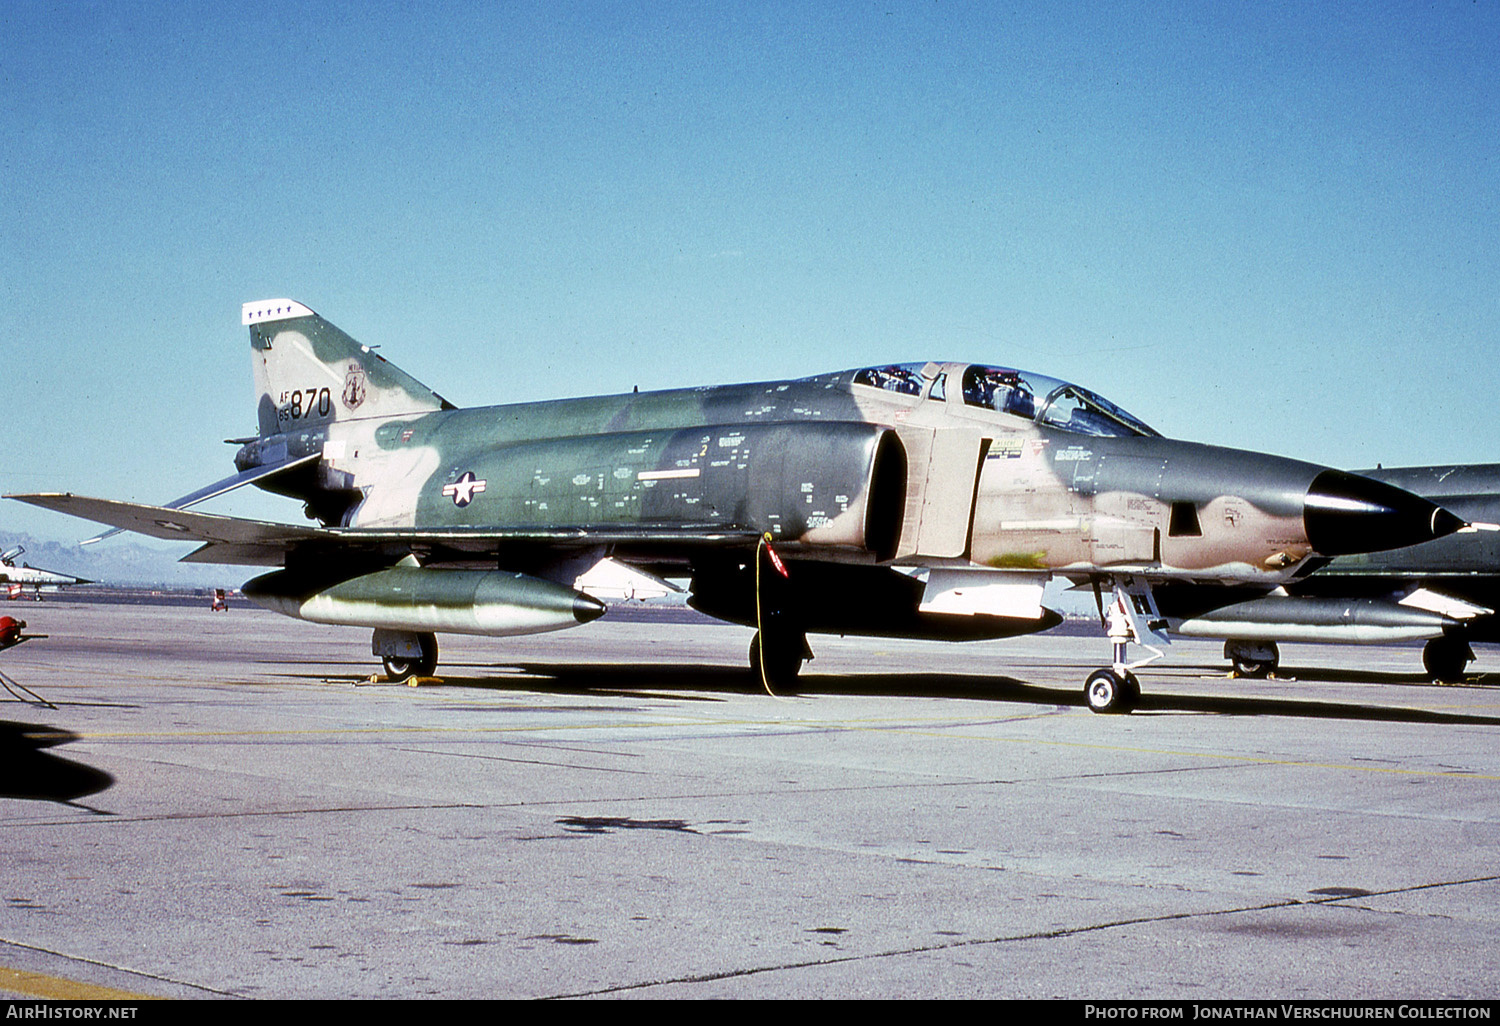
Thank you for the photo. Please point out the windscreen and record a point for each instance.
(1047, 401)
(1034, 397)
(902, 378)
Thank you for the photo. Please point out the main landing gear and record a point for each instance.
(1446, 658)
(780, 645)
(1254, 659)
(405, 655)
(776, 667)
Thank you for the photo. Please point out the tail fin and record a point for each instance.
(310, 373)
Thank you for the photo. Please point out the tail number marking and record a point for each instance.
(300, 404)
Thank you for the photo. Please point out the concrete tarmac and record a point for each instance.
(215, 808)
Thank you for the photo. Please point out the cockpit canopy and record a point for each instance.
(1034, 397)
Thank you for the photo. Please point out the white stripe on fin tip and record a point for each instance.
(272, 310)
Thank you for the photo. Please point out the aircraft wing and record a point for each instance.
(252, 542)
(229, 484)
(245, 542)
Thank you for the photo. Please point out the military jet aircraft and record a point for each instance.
(1444, 591)
(15, 579)
(922, 500)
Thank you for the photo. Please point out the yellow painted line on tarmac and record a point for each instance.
(1256, 760)
(178, 735)
(56, 988)
(891, 725)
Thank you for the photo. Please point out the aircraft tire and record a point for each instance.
(400, 670)
(1257, 666)
(1446, 658)
(1107, 692)
(783, 664)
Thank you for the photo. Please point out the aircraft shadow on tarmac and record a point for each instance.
(1326, 675)
(643, 680)
(29, 772)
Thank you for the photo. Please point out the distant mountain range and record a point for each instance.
(126, 562)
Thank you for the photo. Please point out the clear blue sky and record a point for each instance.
(1266, 225)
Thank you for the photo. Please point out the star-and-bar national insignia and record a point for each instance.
(463, 489)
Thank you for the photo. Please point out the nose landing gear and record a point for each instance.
(1132, 614)
(1112, 690)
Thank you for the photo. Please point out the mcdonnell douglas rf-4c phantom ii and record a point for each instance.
(916, 500)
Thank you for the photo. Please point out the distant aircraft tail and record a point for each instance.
(309, 373)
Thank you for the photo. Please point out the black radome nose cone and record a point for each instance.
(1344, 514)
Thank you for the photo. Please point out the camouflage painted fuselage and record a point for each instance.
(833, 468)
